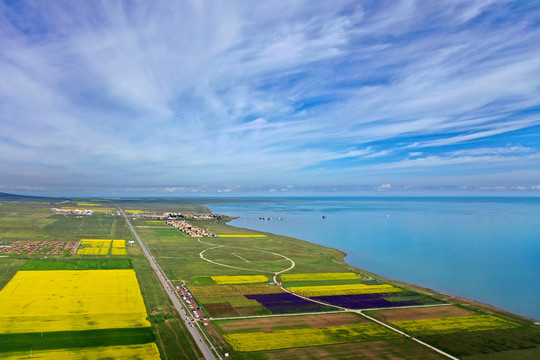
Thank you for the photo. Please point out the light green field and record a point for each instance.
(179, 256)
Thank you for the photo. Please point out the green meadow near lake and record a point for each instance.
(252, 294)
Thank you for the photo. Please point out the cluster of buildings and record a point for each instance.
(178, 216)
(172, 215)
(189, 229)
(60, 211)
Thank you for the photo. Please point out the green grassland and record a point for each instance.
(19, 222)
(179, 253)
(8, 269)
(22, 222)
(98, 226)
(179, 256)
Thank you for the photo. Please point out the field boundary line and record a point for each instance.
(240, 268)
(238, 256)
(172, 295)
(278, 315)
(359, 312)
(407, 335)
(404, 307)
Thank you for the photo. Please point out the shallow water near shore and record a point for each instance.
(485, 249)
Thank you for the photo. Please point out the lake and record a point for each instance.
(486, 249)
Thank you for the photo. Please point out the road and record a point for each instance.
(190, 325)
(359, 312)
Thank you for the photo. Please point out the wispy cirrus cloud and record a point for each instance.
(236, 93)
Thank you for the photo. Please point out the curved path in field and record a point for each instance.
(168, 289)
(215, 246)
(359, 312)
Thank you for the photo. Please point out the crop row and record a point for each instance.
(63, 300)
(231, 290)
(119, 243)
(93, 251)
(379, 300)
(147, 351)
(286, 303)
(281, 339)
(347, 289)
(319, 276)
(454, 324)
(234, 301)
(239, 279)
(96, 242)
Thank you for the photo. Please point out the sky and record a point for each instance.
(268, 97)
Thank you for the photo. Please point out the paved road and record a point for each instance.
(191, 326)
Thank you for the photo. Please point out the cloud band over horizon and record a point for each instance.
(235, 96)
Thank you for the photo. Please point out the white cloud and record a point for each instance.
(259, 92)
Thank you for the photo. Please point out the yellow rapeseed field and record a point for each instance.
(134, 211)
(320, 276)
(61, 300)
(96, 242)
(118, 243)
(96, 246)
(87, 204)
(282, 339)
(239, 279)
(88, 251)
(453, 324)
(125, 352)
(118, 251)
(348, 289)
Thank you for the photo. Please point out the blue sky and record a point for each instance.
(266, 97)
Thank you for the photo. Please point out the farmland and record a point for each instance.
(453, 324)
(279, 339)
(54, 311)
(229, 281)
(351, 291)
(239, 279)
(319, 274)
(142, 352)
(66, 300)
(76, 332)
(102, 247)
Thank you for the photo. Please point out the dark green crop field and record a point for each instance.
(74, 339)
(77, 264)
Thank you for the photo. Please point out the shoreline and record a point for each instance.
(456, 299)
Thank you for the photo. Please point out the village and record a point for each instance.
(189, 229)
(62, 211)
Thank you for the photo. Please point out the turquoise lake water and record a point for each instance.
(486, 249)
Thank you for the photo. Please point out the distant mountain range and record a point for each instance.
(15, 197)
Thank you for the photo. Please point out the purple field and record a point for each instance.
(285, 303)
(380, 300)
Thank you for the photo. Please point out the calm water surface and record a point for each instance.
(484, 249)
